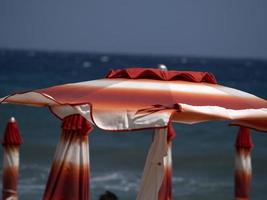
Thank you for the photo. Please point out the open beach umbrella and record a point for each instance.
(142, 98)
(11, 143)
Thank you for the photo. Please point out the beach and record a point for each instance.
(203, 154)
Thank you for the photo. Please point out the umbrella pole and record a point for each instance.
(165, 192)
(11, 143)
(156, 175)
(243, 170)
(69, 175)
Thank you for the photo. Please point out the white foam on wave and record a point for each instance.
(178, 179)
(116, 181)
(31, 188)
(104, 59)
(86, 64)
(34, 167)
(107, 177)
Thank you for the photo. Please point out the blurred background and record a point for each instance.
(49, 43)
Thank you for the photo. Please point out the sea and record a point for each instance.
(203, 154)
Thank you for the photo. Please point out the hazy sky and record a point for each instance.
(236, 28)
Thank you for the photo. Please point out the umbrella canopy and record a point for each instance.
(141, 98)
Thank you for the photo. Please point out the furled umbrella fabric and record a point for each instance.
(69, 175)
(11, 143)
(243, 169)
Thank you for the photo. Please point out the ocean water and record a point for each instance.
(203, 154)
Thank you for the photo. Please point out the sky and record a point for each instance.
(217, 28)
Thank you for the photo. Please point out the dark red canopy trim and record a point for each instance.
(150, 73)
(76, 123)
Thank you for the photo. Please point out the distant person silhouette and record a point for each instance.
(108, 196)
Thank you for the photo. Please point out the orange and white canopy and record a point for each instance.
(139, 98)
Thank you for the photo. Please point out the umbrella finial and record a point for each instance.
(12, 119)
(162, 67)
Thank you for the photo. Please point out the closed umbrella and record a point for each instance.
(11, 143)
(69, 175)
(141, 98)
(243, 170)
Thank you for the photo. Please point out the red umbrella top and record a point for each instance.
(12, 134)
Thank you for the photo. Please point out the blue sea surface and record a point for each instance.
(203, 154)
